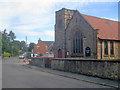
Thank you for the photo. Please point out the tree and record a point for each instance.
(10, 45)
(15, 50)
(16, 42)
(31, 47)
(5, 42)
(11, 36)
(23, 46)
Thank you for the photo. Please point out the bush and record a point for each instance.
(6, 54)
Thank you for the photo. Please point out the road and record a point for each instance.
(15, 75)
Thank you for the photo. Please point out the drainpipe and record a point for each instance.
(65, 43)
(101, 48)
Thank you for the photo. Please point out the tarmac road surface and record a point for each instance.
(15, 75)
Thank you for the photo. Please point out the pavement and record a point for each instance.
(85, 78)
(17, 74)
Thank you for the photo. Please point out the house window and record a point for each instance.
(111, 48)
(105, 48)
(78, 44)
(38, 47)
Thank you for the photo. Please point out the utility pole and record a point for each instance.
(65, 44)
(26, 46)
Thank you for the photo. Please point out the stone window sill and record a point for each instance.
(112, 56)
(105, 55)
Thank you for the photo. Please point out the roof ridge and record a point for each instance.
(48, 41)
(99, 18)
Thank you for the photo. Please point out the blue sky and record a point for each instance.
(36, 18)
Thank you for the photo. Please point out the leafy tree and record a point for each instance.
(31, 47)
(23, 46)
(15, 50)
(16, 42)
(10, 45)
(11, 36)
(5, 42)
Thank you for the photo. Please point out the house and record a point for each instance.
(42, 48)
(83, 36)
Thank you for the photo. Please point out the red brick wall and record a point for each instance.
(42, 49)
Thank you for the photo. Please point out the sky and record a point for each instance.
(36, 18)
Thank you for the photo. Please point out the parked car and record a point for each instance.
(21, 56)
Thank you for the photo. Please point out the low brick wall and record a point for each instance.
(100, 68)
(41, 62)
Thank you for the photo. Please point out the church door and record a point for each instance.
(59, 53)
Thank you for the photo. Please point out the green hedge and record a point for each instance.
(6, 54)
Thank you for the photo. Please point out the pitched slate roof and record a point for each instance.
(108, 29)
(48, 43)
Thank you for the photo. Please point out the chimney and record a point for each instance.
(39, 40)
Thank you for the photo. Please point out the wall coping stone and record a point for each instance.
(42, 58)
(83, 59)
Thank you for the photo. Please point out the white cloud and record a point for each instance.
(25, 16)
(25, 27)
(26, 13)
(49, 33)
(110, 18)
(28, 30)
(34, 33)
(29, 33)
(60, 1)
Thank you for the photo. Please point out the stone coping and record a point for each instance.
(83, 59)
(79, 59)
(42, 57)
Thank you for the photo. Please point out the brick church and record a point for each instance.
(82, 36)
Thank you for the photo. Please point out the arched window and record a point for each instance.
(105, 48)
(78, 44)
(111, 48)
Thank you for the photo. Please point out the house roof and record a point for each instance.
(108, 29)
(48, 43)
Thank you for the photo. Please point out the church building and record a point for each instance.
(82, 36)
